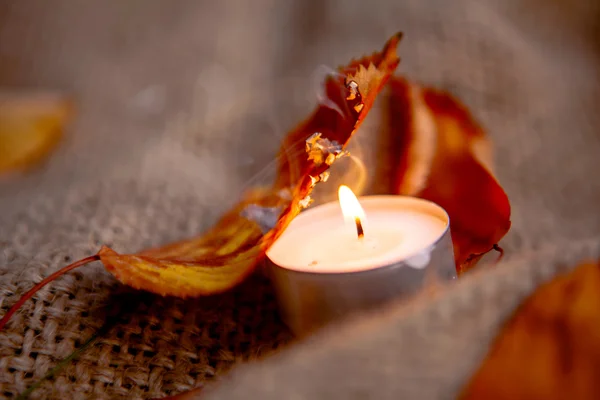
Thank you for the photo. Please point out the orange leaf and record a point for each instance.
(444, 156)
(550, 348)
(228, 253)
(30, 127)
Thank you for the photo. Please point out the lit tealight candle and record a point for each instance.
(376, 232)
(330, 262)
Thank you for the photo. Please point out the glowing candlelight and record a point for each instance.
(351, 209)
(329, 263)
(390, 229)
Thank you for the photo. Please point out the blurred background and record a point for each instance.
(177, 105)
(194, 96)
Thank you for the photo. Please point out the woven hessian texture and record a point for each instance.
(181, 103)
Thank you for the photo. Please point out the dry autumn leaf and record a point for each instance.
(443, 156)
(225, 255)
(31, 125)
(550, 349)
(229, 252)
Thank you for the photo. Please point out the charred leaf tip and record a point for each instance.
(393, 42)
(395, 39)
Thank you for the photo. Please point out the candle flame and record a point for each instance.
(351, 209)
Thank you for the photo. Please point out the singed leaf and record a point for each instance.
(443, 156)
(228, 253)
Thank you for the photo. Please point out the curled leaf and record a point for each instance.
(228, 253)
(30, 127)
(443, 156)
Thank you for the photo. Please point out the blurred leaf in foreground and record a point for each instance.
(550, 349)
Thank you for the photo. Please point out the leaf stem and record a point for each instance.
(43, 283)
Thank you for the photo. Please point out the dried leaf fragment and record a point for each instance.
(322, 150)
(443, 156)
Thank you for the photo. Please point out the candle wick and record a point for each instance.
(359, 228)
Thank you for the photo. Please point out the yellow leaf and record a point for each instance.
(30, 128)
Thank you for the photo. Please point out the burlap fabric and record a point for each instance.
(134, 173)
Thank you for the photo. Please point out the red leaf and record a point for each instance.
(444, 156)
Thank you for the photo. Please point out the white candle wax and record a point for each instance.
(396, 228)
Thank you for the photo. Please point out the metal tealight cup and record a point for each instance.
(309, 300)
